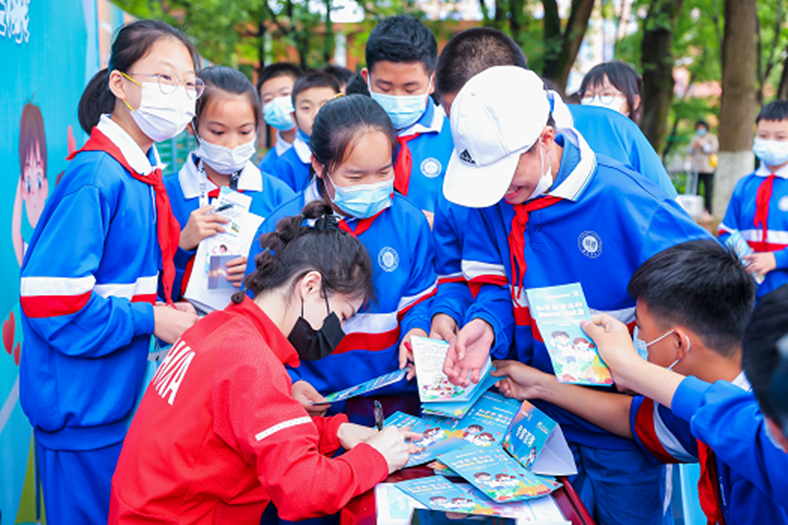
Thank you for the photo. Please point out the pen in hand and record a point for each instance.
(378, 409)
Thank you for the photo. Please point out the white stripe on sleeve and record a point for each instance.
(282, 426)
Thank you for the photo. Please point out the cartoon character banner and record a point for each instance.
(48, 52)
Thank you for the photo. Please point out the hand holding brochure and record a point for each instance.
(497, 475)
(558, 311)
(736, 243)
(429, 356)
(538, 443)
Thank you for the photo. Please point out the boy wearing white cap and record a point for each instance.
(553, 212)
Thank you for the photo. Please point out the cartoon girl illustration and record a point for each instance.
(561, 340)
(33, 188)
(483, 478)
(462, 503)
(440, 501)
(483, 439)
(506, 480)
(431, 435)
(471, 432)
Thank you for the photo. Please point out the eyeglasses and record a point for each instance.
(604, 99)
(169, 82)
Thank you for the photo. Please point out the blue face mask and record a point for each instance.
(701, 131)
(771, 152)
(363, 200)
(403, 110)
(277, 113)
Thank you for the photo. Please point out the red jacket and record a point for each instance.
(218, 435)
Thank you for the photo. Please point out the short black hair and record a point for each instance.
(472, 51)
(341, 74)
(703, 123)
(777, 110)
(402, 38)
(314, 79)
(622, 76)
(279, 69)
(701, 285)
(357, 86)
(760, 358)
(223, 79)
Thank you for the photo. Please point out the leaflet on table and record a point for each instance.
(367, 386)
(208, 288)
(393, 507)
(496, 474)
(435, 438)
(736, 243)
(429, 356)
(558, 311)
(438, 493)
(538, 443)
(458, 409)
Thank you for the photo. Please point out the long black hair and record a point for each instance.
(222, 79)
(131, 44)
(294, 250)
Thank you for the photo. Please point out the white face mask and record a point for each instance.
(224, 160)
(771, 152)
(546, 180)
(162, 117)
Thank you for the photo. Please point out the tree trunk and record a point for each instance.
(328, 42)
(782, 91)
(557, 69)
(260, 48)
(737, 106)
(657, 62)
(552, 31)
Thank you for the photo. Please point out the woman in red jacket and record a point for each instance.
(218, 435)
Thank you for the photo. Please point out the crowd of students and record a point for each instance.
(424, 201)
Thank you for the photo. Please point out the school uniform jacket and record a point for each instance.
(400, 245)
(88, 284)
(608, 221)
(274, 154)
(292, 168)
(607, 133)
(747, 495)
(218, 435)
(741, 216)
(191, 190)
(430, 151)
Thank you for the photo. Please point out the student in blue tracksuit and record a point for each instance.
(401, 53)
(693, 325)
(89, 277)
(356, 174)
(310, 93)
(227, 117)
(758, 208)
(607, 133)
(275, 87)
(553, 213)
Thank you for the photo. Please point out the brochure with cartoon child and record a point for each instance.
(496, 474)
(436, 438)
(558, 311)
(438, 493)
(736, 243)
(434, 386)
(458, 409)
(367, 386)
(487, 421)
(538, 443)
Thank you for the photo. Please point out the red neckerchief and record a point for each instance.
(404, 164)
(362, 226)
(517, 238)
(169, 231)
(708, 486)
(762, 199)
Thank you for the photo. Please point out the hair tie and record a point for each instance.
(327, 223)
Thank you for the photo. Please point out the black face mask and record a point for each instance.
(312, 344)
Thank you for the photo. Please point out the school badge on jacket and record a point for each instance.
(590, 244)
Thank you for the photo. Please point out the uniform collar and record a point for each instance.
(578, 164)
(742, 382)
(302, 149)
(281, 145)
(273, 336)
(763, 171)
(431, 121)
(192, 179)
(137, 159)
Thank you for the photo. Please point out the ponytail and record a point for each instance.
(294, 250)
(96, 100)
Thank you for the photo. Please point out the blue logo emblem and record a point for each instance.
(388, 259)
(431, 168)
(590, 244)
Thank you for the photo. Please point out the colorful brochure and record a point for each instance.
(558, 311)
(497, 475)
(438, 493)
(436, 437)
(736, 243)
(429, 356)
(538, 443)
(457, 409)
(367, 386)
(487, 421)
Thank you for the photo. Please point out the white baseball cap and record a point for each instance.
(497, 116)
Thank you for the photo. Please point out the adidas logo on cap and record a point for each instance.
(465, 156)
